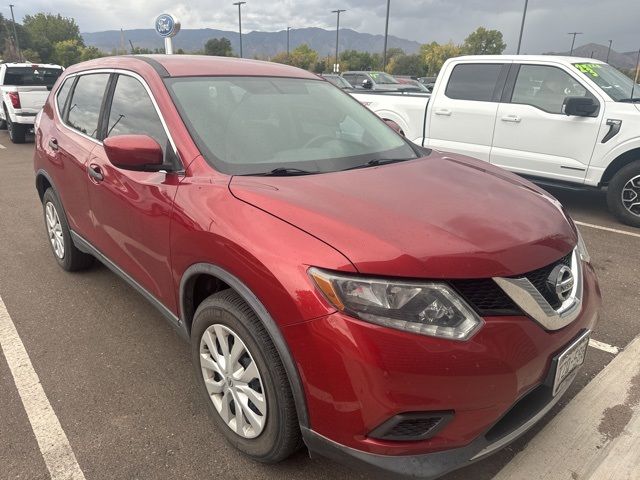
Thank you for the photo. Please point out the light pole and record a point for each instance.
(573, 42)
(15, 33)
(336, 69)
(239, 4)
(386, 34)
(609, 51)
(288, 30)
(524, 15)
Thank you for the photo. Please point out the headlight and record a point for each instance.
(582, 248)
(427, 308)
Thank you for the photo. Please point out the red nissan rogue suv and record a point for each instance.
(389, 305)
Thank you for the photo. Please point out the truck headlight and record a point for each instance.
(426, 308)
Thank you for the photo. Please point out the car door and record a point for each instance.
(533, 136)
(463, 110)
(131, 210)
(70, 142)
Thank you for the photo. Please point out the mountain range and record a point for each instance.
(262, 44)
(625, 60)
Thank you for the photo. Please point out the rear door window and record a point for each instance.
(86, 102)
(474, 81)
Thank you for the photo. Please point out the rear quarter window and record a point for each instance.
(474, 81)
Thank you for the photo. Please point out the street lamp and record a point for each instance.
(609, 51)
(574, 40)
(524, 15)
(288, 30)
(15, 33)
(336, 69)
(386, 34)
(239, 4)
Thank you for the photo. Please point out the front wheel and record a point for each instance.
(623, 194)
(242, 378)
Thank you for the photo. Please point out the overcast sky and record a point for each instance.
(548, 21)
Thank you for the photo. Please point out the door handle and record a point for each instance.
(511, 118)
(53, 144)
(443, 111)
(94, 173)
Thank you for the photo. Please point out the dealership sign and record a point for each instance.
(167, 27)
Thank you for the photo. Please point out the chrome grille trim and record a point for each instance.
(531, 301)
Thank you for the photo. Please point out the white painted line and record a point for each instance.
(54, 445)
(2, 147)
(605, 347)
(607, 229)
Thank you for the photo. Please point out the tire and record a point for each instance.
(225, 315)
(64, 251)
(17, 132)
(626, 182)
(3, 124)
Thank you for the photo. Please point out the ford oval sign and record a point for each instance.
(167, 26)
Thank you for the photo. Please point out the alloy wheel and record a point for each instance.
(54, 228)
(631, 196)
(233, 381)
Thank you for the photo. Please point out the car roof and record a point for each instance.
(30, 64)
(530, 58)
(197, 65)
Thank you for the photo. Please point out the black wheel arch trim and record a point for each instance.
(265, 317)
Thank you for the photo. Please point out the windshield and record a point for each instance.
(253, 125)
(615, 83)
(338, 81)
(31, 76)
(383, 78)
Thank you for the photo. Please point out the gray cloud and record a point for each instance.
(548, 21)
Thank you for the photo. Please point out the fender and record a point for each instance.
(266, 319)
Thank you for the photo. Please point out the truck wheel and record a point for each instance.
(623, 194)
(17, 132)
(3, 124)
(242, 379)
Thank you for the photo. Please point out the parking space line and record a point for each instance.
(607, 229)
(2, 147)
(604, 346)
(54, 445)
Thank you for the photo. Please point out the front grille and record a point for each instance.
(488, 299)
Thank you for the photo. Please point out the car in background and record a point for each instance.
(428, 82)
(391, 306)
(417, 86)
(365, 80)
(338, 80)
(24, 88)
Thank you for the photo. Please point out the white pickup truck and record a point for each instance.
(24, 88)
(557, 120)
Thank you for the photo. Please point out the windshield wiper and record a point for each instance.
(282, 172)
(379, 161)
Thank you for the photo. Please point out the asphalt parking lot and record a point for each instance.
(120, 381)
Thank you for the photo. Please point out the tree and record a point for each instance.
(484, 42)
(434, 55)
(89, 53)
(44, 30)
(67, 52)
(220, 47)
(412, 65)
(355, 60)
(30, 55)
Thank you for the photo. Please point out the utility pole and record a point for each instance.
(386, 34)
(524, 15)
(336, 68)
(15, 33)
(573, 42)
(288, 30)
(239, 4)
(609, 51)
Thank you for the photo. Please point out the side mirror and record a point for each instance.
(367, 84)
(580, 106)
(394, 125)
(134, 152)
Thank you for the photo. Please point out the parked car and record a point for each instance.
(417, 86)
(337, 80)
(373, 81)
(560, 121)
(389, 305)
(24, 88)
(428, 82)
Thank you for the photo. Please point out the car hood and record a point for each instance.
(441, 216)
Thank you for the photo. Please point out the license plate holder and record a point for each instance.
(570, 360)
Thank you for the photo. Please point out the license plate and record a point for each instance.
(570, 360)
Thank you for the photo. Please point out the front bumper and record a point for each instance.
(498, 384)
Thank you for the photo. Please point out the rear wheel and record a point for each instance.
(64, 251)
(243, 380)
(17, 132)
(623, 194)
